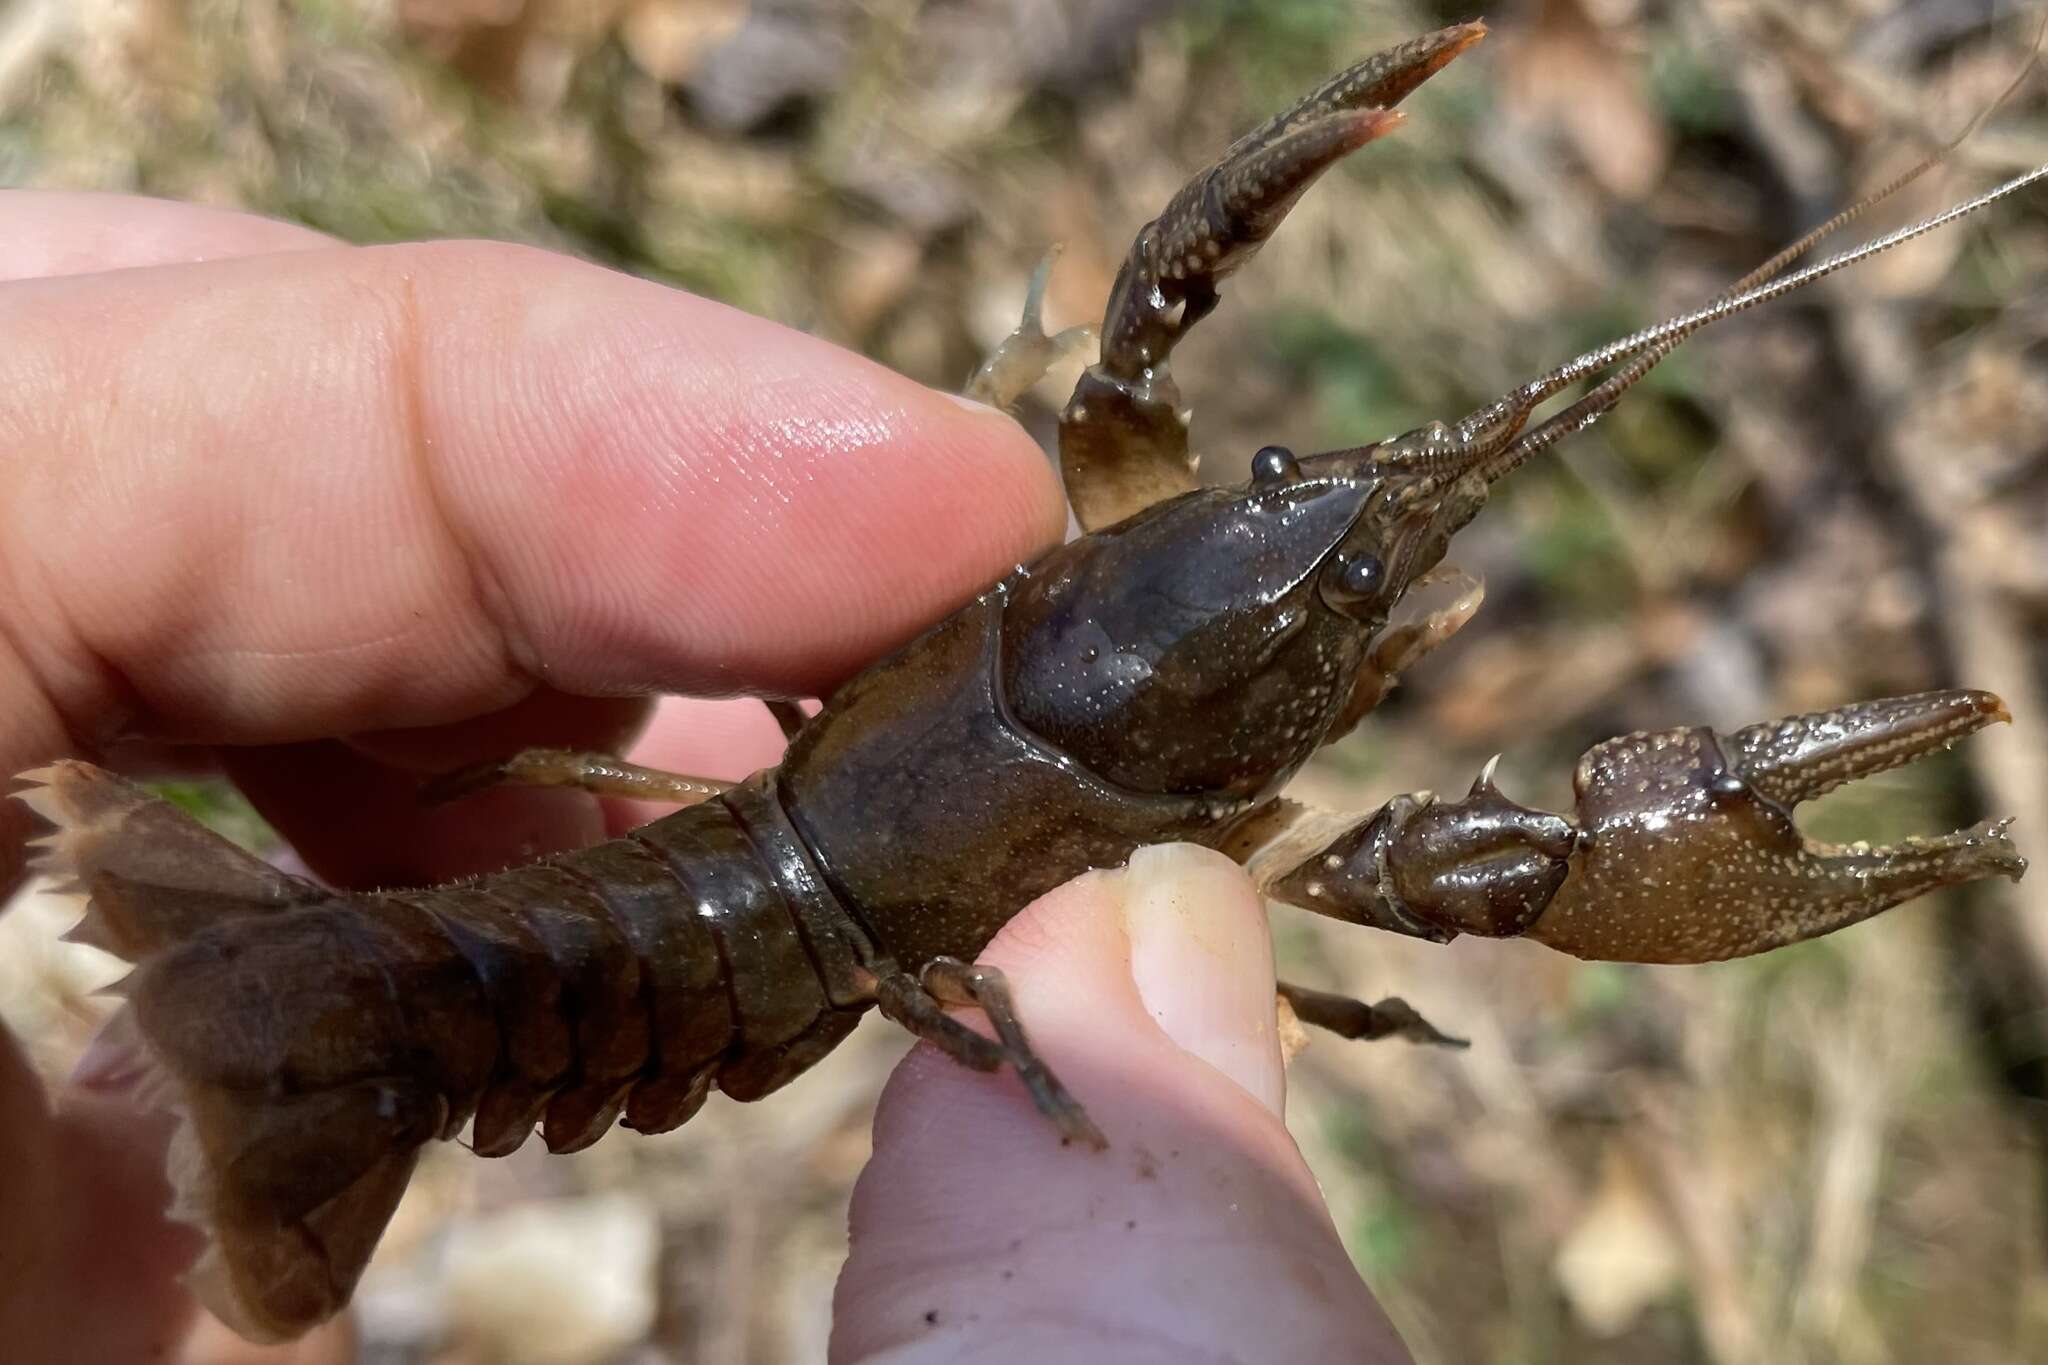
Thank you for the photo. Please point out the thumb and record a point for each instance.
(1199, 1233)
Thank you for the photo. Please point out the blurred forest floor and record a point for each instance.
(1833, 1153)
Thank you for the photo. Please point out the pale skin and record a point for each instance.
(328, 518)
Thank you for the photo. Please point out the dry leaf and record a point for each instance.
(1621, 1257)
(1565, 73)
(331, 1343)
(558, 1282)
(668, 38)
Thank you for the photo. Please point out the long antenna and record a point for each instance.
(1652, 344)
(1939, 155)
(1492, 439)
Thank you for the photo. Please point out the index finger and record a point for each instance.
(68, 232)
(342, 489)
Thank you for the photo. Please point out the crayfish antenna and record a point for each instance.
(1645, 348)
(1492, 441)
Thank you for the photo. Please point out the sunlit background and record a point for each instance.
(1834, 1153)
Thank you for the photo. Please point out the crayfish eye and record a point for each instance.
(1357, 580)
(1275, 464)
(1360, 580)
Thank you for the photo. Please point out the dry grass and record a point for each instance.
(1831, 1154)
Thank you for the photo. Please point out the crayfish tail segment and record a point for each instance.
(291, 1189)
(1123, 434)
(268, 1275)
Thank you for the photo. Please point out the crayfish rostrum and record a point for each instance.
(1158, 679)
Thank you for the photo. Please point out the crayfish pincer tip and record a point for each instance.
(1995, 708)
(1998, 856)
(1981, 707)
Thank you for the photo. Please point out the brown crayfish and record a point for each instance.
(1160, 678)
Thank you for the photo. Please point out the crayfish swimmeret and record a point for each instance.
(1159, 679)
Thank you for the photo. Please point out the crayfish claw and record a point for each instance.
(1435, 869)
(1682, 847)
(1378, 82)
(1691, 853)
(1123, 434)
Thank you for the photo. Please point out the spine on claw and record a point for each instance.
(312, 1043)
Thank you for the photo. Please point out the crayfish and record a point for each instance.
(1158, 679)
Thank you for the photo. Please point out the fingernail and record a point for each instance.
(1202, 959)
(975, 406)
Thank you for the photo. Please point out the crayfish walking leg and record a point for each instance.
(596, 773)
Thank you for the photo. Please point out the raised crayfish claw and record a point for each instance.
(1682, 847)
(1123, 435)
(1689, 853)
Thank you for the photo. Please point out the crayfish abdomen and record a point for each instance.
(314, 1041)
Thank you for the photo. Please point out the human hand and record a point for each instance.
(1198, 1235)
(447, 501)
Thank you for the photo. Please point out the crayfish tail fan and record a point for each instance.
(241, 1169)
(151, 874)
(251, 1017)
